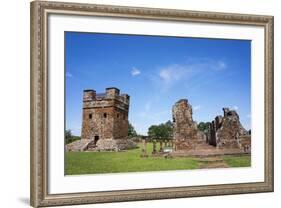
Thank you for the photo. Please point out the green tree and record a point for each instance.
(68, 134)
(169, 124)
(69, 137)
(131, 131)
(204, 127)
(161, 132)
(153, 132)
(168, 130)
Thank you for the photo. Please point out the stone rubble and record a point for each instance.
(78, 145)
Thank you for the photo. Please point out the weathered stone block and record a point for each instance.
(185, 132)
(228, 132)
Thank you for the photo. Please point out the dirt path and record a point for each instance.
(212, 162)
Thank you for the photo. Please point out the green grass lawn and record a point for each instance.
(130, 161)
(238, 161)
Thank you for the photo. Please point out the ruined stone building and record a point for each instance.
(104, 122)
(105, 115)
(227, 132)
(105, 127)
(185, 132)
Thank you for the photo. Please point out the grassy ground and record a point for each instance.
(130, 161)
(238, 161)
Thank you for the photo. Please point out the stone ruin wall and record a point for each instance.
(186, 136)
(227, 132)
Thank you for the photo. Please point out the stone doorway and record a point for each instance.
(96, 140)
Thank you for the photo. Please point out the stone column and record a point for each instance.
(144, 150)
(171, 143)
(174, 145)
(154, 147)
(161, 146)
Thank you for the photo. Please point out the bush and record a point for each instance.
(71, 139)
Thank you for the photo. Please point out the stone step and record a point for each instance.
(78, 145)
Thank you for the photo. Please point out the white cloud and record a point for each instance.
(68, 74)
(197, 107)
(193, 70)
(76, 131)
(221, 65)
(235, 107)
(169, 76)
(135, 71)
(173, 73)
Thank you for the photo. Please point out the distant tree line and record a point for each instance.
(69, 137)
(204, 127)
(163, 131)
(131, 131)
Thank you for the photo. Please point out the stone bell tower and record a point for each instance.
(105, 115)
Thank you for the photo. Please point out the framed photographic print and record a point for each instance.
(142, 103)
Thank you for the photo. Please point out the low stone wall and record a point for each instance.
(101, 145)
(245, 143)
(115, 145)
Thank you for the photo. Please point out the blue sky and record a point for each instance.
(156, 72)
